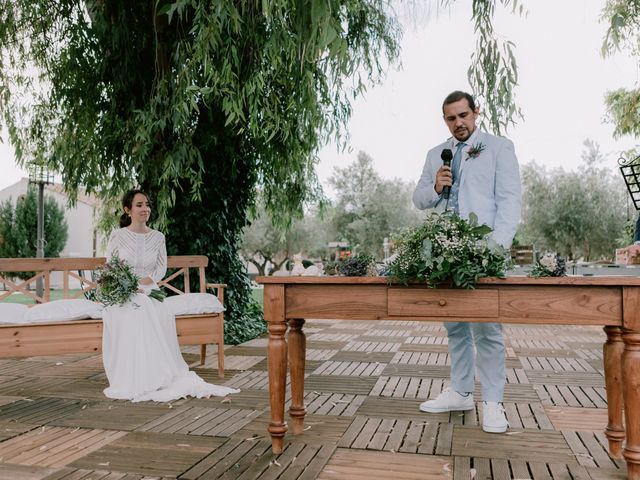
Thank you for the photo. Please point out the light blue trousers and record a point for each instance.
(488, 356)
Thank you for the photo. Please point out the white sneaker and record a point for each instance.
(447, 401)
(493, 418)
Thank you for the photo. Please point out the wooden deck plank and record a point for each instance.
(529, 445)
(577, 419)
(112, 416)
(294, 458)
(24, 472)
(540, 471)
(148, 453)
(54, 446)
(9, 429)
(312, 467)
(428, 436)
(261, 459)
(319, 429)
(39, 411)
(348, 464)
(339, 384)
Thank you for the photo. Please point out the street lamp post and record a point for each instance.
(40, 176)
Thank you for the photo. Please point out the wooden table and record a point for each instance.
(613, 302)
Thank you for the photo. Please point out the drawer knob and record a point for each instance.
(442, 302)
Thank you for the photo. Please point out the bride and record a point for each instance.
(140, 349)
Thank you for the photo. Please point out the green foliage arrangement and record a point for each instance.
(448, 249)
(117, 283)
(359, 265)
(331, 267)
(549, 265)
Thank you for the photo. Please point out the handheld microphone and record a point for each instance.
(446, 157)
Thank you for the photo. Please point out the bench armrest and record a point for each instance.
(219, 287)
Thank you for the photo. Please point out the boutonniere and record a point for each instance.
(476, 149)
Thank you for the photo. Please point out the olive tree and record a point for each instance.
(578, 214)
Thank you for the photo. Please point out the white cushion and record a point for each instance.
(62, 310)
(193, 304)
(12, 312)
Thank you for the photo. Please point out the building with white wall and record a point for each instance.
(84, 239)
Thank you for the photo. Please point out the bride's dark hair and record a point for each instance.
(127, 202)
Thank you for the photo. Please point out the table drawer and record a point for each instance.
(427, 302)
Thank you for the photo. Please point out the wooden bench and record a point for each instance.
(79, 336)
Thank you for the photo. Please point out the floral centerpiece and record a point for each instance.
(360, 265)
(357, 266)
(447, 248)
(549, 265)
(116, 283)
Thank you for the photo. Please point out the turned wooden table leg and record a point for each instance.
(297, 349)
(612, 350)
(276, 363)
(631, 393)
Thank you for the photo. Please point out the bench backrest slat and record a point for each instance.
(49, 264)
(67, 266)
(192, 261)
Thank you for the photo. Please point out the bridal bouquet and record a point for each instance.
(447, 248)
(117, 283)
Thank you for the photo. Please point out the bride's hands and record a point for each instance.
(145, 285)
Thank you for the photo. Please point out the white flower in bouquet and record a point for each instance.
(548, 261)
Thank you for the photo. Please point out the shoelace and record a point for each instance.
(497, 408)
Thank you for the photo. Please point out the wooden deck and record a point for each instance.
(364, 383)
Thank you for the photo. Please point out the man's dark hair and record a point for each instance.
(456, 96)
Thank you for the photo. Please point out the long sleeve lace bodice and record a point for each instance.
(145, 252)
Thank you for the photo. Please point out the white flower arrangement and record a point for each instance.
(448, 249)
(549, 265)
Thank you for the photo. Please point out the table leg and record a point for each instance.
(276, 363)
(297, 349)
(612, 350)
(631, 393)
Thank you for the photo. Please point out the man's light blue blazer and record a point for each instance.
(490, 184)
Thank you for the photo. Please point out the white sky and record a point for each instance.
(563, 79)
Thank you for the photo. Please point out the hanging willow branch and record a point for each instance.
(493, 73)
(623, 33)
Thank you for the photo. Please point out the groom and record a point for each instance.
(484, 178)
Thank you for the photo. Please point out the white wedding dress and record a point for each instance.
(140, 348)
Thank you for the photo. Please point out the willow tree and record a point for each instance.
(623, 33)
(198, 102)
